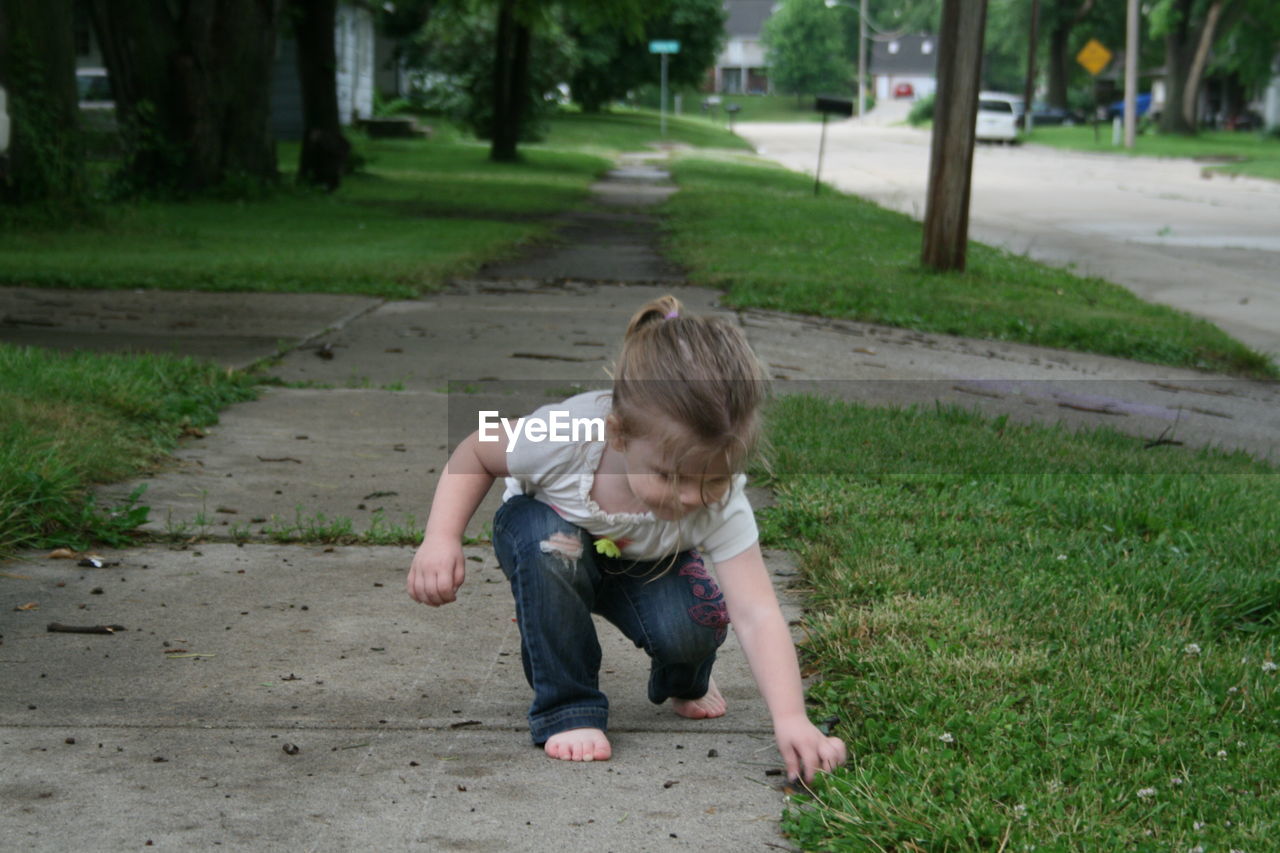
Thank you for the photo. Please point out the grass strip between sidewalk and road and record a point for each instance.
(1219, 151)
(70, 421)
(757, 231)
(1026, 650)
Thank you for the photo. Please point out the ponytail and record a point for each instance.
(663, 308)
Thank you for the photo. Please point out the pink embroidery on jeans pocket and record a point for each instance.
(701, 583)
(710, 612)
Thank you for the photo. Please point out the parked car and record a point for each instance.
(1043, 115)
(904, 90)
(998, 115)
(1142, 102)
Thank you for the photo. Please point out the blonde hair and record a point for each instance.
(698, 373)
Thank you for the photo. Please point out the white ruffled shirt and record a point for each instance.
(561, 474)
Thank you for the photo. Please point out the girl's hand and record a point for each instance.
(438, 569)
(806, 750)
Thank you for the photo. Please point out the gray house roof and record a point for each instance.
(910, 54)
(747, 17)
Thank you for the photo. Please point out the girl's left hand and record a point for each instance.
(806, 750)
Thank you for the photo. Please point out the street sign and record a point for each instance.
(664, 47)
(1094, 56)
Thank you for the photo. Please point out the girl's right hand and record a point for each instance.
(439, 568)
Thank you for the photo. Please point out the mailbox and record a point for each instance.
(827, 104)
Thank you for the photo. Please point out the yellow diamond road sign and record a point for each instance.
(1093, 56)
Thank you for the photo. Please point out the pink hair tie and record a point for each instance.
(672, 315)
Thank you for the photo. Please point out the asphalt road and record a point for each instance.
(1206, 245)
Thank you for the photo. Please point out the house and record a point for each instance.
(908, 59)
(740, 69)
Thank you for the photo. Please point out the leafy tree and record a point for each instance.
(402, 22)
(805, 49)
(192, 86)
(458, 47)
(612, 62)
(1005, 52)
(37, 69)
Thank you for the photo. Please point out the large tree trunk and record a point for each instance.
(325, 150)
(192, 83)
(1186, 54)
(1177, 57)
(37, 70)
(1060, 60)
(1191, 89)
(510, 82)
(1059, 70)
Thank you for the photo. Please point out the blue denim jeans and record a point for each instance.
(672, 609)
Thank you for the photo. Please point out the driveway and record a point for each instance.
(1208, 246)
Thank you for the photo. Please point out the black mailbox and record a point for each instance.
(827, 104)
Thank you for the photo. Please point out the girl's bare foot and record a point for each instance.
(579, 745)
(712, 704)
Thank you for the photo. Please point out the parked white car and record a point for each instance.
(998, 115)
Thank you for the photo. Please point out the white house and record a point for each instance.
(740, 68)
(910, 59)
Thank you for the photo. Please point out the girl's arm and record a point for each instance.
(439, 566)
(761, 628)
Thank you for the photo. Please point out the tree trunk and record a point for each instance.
(1177, 60)
(1057, 66)
(510, 82)
(946, 220)
(192, 83)
(1191, 90)
(325, 150)
(1059, 45)
(37, 70)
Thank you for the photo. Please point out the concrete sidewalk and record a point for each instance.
(293, 697)
(408, 723)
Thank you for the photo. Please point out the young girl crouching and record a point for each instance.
(609, 525)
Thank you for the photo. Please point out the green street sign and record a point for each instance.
(664, 47)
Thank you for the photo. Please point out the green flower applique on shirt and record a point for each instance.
(608, 547)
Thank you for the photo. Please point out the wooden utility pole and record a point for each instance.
(1131, 74)
(946, 219)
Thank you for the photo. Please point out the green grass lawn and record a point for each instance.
(1230, 152)
(758, 232)
(68, 421)
(418, 213)
(1024, 649)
